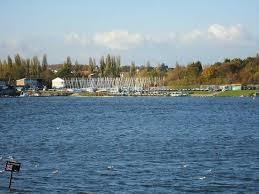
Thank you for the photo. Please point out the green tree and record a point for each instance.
(117, 66)
(102, 66)
(19, 67)
(10, 70)
(5, 70)
(66, 70)
(44, 62)
(161, 70)
(132, 72)
(77, 69)
(35, 67)
(27, 68)
(108, 65)
(1, 70)
(92, 65)
(194, 70)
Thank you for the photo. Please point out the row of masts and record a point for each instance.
(107, 83)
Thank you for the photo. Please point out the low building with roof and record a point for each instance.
(58, 83)
(236, 86)
(27, 83)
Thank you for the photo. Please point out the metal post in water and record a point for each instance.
(10, 180)
(12, 166)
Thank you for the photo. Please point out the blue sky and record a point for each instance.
(167, 31)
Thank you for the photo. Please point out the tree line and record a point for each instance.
(243, 71)
(230, 71)
(18, 67)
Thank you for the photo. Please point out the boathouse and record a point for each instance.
(58, 83)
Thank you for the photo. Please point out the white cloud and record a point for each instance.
(191, 36)
(231, 33)
(161, 38)
(120, 39)
(13, 46)
(8, 44)
(124, 40)
(74, 38)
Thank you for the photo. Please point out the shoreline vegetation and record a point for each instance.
(238, 93)
(52, 93)
(229, 71)
(178, 79)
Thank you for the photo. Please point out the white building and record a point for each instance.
(58, 83)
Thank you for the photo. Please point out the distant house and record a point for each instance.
(231, 87)
(236, 86)
(29, 83)
(58, 83)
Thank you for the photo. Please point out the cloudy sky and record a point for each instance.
(158, 31)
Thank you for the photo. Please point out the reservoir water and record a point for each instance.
(130, 144)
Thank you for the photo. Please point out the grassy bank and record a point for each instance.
(237, 93)
(202, 93)
(53, 93)
(90, 94)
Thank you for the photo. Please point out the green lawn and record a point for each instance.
(225, 93)
(202, 93)
(54, 93)
(238, 93)
(93, 94)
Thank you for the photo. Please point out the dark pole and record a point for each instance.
(10, 181)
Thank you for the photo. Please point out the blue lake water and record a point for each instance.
(130, 144)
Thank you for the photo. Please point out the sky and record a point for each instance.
(158, 31)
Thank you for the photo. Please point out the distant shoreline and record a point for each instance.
(237, 93)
